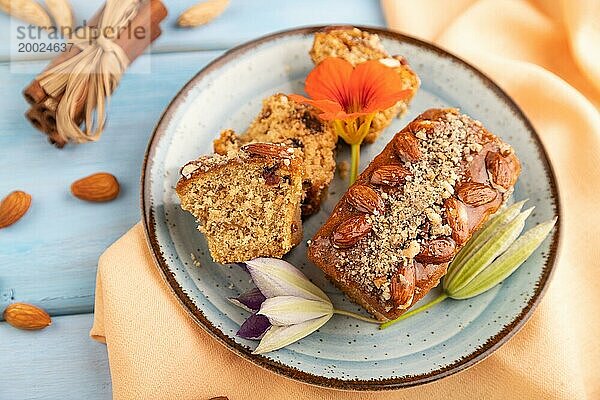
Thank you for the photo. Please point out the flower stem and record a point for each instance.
(355, 160)
(356, 316)
(424, 307)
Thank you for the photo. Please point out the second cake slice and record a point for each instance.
(282, 120)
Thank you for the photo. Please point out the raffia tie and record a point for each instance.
(92, 75)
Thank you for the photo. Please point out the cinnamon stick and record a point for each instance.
(152, 10)
(36, 118)
(34, 92)
(42, 113)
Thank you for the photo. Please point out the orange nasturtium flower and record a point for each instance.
(350, 97)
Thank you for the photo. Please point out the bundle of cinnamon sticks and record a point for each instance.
(43, 107)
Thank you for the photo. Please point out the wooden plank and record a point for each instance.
(49, 258)
(242, 21)
(59, 362)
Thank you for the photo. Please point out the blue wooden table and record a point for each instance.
(49, 258)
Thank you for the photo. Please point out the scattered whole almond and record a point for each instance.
(27, 10)
(26, 316)
(97, 187)
(202, 13)
(13, 207)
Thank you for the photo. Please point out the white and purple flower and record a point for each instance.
(286, 305)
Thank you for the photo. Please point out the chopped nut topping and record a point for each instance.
(399, 235)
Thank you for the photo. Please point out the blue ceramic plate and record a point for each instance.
(345, 353)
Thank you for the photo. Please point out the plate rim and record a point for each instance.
(198, 317)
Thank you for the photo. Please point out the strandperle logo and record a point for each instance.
(81, 32)
(28, 41)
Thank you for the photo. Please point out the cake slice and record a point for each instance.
(282, 120)
(247, 203)
(392, 235)
(356, 46)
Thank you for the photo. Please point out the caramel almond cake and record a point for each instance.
(247, 203)
(356, 46)
(392, 235)
(282, 120)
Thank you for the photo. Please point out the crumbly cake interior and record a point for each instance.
(356, 46)
(351, 44)
(246, 206)
(397, 235)
(282, 120)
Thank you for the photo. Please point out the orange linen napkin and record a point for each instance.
(546, 54)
